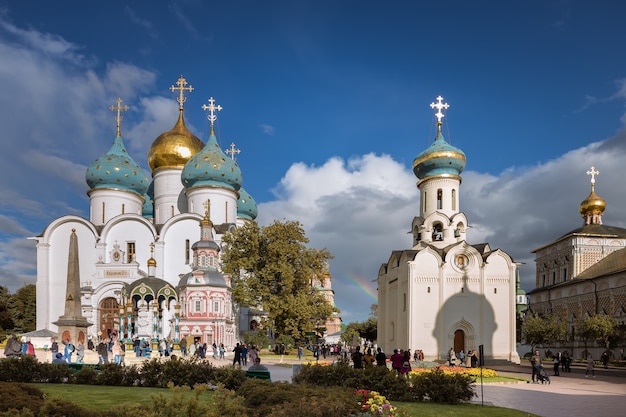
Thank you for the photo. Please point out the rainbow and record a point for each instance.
(365, 285)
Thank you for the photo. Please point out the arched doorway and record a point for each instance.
(109, 316)
(459, 340)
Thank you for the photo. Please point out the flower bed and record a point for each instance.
(487, 373)
(374, 404)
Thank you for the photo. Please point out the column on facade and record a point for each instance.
(155, 326)
(177, 327)
(129, 326)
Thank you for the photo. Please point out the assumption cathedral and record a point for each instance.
(444, 293)
(146, 262)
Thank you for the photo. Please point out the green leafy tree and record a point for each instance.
(351, 336)
(272, 268)
(6, 318)
(23, 309)
(258, 338)
(543, 331)
(600, 328)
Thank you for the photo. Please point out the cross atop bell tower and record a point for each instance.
(119, 109)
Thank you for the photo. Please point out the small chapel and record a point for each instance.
(146, 262)
(443, 292)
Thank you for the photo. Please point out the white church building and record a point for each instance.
(444, 292)
(148, 253)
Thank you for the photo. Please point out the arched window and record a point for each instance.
(453, 199)
(439, 199)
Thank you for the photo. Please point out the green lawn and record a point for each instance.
(107, 397)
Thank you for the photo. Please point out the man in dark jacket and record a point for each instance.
(13, 347)
(381, 358)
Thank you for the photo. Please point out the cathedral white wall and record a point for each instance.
(223, 203)
(171, 260)
(105, 204)
(52, 278)
(428, 196)
(124, 230)
(168, 188)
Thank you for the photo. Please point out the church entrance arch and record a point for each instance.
(109, 316)
(459, 340)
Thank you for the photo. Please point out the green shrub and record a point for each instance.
(87, 375)
(55, 373)
(21, 369)
(278, 399)
(61, 408)
(110, 374)
(151, 373)
(439, 387)
(18, 396)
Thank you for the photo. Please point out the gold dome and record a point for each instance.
(592, 205)
(151, 262)
(174, 148)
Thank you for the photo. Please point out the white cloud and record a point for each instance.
(267, 129)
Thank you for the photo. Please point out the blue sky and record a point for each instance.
(329, 103)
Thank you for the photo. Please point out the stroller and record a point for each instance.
(541, 375)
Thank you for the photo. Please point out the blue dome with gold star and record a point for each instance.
(117, 170)
(211, 168)
(246, 206)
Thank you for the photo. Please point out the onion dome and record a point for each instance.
(116, 169)
(147, 210)
(211, 167)
(593, 206)
(246, 206)
(173, 149)
(440, 158)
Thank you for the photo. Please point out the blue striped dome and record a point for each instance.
(439, 159)
(211, 168)
(116, 169)
(246, 206)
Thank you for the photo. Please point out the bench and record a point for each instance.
(75, 367)
(258, 374)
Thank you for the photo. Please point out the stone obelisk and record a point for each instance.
(73, 325)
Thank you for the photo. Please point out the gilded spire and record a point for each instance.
(152, 261)
(212, 108)
(439, 106)
(181, 86)
(593, 206)
(593, 174)
(119, 109)
(232, 150)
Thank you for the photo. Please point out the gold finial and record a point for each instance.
(439, 105)
(207, 208)
(232, 151)
(181, 87)
(152, 261)
(593, 174)
(119, 109)
(212, 108)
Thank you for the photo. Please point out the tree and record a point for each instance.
(272, 268)
(600, 328)
(23, 309)
(6, 318)
(543, 331)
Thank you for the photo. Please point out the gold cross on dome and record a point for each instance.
(119, 108)
(181, 87)
(593, 174)
(232, 151)
(212, 108)
(207, 207)
(439, 105)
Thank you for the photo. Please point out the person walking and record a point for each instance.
(535, 362)
(80, 352)
(590, 365)
(54, 347)
(357, 358)
(381, 358)
(237, 355)
(555, 361)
